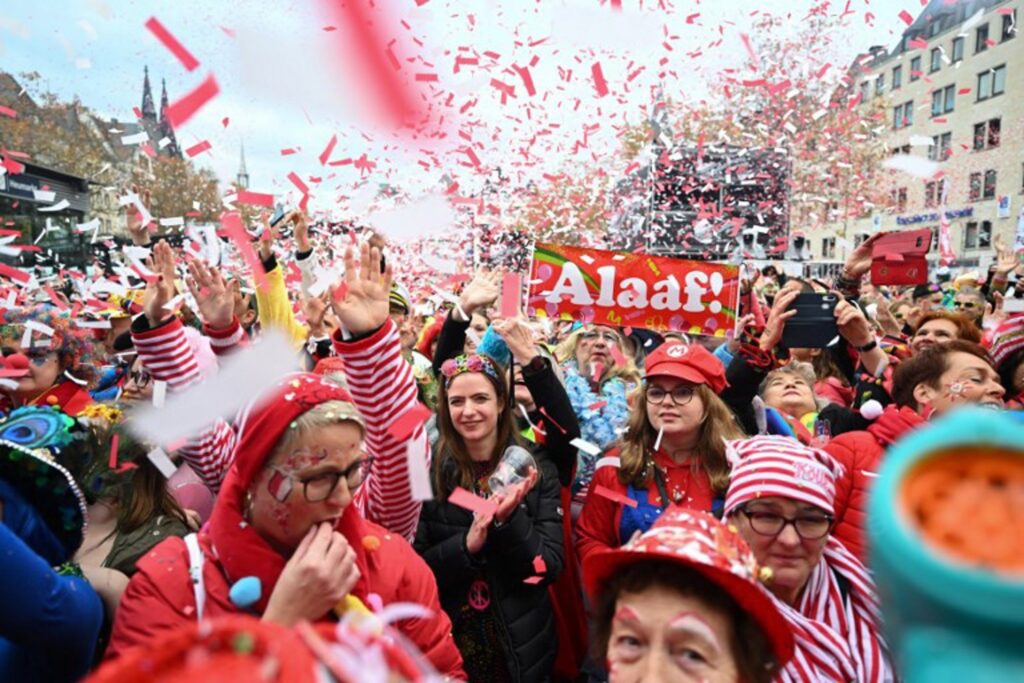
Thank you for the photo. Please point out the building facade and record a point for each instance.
(953, 93)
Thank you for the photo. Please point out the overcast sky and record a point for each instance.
(282, 86)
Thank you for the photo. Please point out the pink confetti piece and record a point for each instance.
(906, 17)
(511, 293)
(181, 110)
(255, 198)
(326, 154)
(112, 460)
(14, 274)
(232, 228)
(539, 566)
(171, 43)
(7, 111)
(613, 496)
(297, 182)
(600, 85)
(533, 580)
(402, 428)
(198, 148)
(468, 501)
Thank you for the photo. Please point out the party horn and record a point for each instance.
(946, 532)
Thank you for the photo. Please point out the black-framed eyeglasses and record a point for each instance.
(808, 527)
(319, 487)
(140, 377)
(594, 335)
(681, 395)
(965, 304)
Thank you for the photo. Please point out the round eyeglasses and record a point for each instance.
(319, 487)
(681, 395)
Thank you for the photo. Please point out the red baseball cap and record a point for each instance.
(688, 362)
(697, 540)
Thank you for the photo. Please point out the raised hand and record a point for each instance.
(267, 236)
(482, 291)
(133, 219)
(853, 326)
(361, 300)
(160, 290)
(519, 338)
(1006, 260)
(214, 297)
(777, 318)
(859, 261)
(314, 308)
(301, 226)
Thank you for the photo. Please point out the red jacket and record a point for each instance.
(860, 454)
(160, 595)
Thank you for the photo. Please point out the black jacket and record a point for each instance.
(523, 610)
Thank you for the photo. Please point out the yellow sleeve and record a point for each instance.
(275, 311)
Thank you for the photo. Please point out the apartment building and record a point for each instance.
(953, 92)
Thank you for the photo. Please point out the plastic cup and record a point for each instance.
(513, 468)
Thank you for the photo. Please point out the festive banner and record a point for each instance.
(626, 289)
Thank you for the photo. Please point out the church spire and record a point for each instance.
(166, 131)
(148, 110)
(243, 175)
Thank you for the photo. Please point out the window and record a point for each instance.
(828, 247)
(936, 59)
(901, 200)
(978, 236)
(981, 39)
(958, 49)
(941, 147)
(986, 134)
(864, 91)
(880, 84)
(935, 27)
(991, 82)
(903, 115)
(989, 190)
(1009, 26)
(931, 194)
(915, 68)
(943, 100)
(897, 77)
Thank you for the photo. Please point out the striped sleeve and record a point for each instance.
(383, 389)
(167, 355)
(224, 341)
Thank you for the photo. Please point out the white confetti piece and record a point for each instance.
(162, 462)
(93, 324)
(136, 139)
(416, 462)
(586, 446)
(246, 374)
(41, 328)
(44, 195)
(59, 206)
(159, 393)
(172, 222)
(919, 167)
(89, 225)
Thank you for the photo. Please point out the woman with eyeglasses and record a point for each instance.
(493, 565)
(673, 451)
(290, 537)
(45, 361)
(781, 499)
(598, 376)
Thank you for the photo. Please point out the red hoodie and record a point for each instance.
(860, 454)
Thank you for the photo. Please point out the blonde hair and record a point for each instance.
(322, 415)
(717, 425)
(628, 372)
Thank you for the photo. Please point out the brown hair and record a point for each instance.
(148, 497)
(927, 367)
(452, 447)
(748, 643)
(717, 425)
(966, 330)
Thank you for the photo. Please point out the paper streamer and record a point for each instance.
(416, 458)
(245, 374)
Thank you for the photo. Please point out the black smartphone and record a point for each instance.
(814, 325)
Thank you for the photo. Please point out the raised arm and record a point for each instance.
(382, 387)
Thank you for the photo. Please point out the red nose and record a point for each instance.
(16, 361)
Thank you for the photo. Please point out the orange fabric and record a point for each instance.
(971, 505)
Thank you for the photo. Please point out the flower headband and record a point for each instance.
(453, 367)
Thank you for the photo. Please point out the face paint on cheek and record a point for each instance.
(280, 487)
(955, 391)
(281, 516)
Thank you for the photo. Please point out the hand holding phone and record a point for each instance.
(813, 325)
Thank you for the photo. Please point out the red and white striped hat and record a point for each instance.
(1007, 339)
(779, 466)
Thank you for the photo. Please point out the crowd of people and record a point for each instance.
(691, 509)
